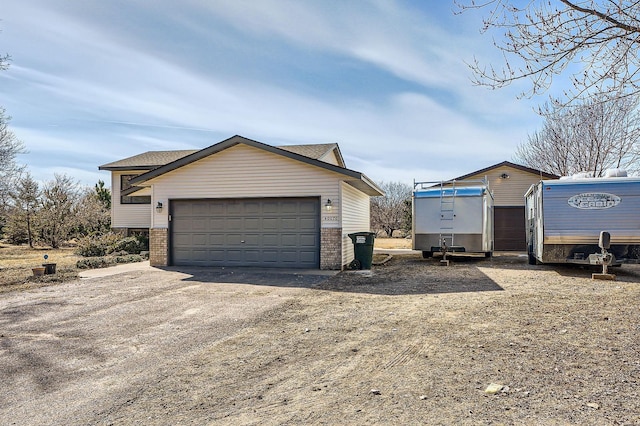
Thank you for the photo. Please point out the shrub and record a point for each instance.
(130, 245)
(132, 258)
(144, 241)
(93, 263)
(105, 261)
(96, 245)
(88, 247)
(113, 244)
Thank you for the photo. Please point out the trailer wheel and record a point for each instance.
(427, 254)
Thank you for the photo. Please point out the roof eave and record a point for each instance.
(123, 168)
(366, 185)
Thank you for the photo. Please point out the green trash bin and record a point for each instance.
(362, 249)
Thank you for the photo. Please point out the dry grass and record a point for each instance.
(16, 263)
(392, 243)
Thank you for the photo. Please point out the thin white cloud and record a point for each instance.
(94, 78)
(380, 33)
(148, 143)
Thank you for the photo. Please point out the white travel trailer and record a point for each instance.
(565, 218)
(452, 216)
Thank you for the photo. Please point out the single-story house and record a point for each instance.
(243, 203)
(508, 182)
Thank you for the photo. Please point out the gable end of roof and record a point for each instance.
(236, 140)
(540, 173)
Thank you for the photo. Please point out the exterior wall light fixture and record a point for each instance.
(327, 205)
(159, 207)
(504, 176)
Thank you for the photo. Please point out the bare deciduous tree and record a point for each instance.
(10, 147)
(57, 217)
(25, 200)
(4, 62)
(61, 210)
(590, 137)
(389, 213)
(595, 41)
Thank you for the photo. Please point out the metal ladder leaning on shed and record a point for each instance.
(447, 214)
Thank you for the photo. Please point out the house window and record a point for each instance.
(127, 199)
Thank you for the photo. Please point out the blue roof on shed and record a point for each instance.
(464, 191)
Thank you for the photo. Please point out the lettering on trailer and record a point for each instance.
(594, 201)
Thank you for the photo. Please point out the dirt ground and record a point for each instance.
(392, 243)
(412, 342)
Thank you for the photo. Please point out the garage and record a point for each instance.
(259, 232)
(241, 203)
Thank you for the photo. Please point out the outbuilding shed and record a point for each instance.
(243, 203)
(508, 182)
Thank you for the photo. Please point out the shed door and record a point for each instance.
(509, 229)
(263, 232)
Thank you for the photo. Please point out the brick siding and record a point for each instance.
(158, 246)
(330, 248)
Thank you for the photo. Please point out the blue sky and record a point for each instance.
(96, 81)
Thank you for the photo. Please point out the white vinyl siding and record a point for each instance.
(127, 215)
(243, 172)
(509, 191)
(142, 192)
(355, 218)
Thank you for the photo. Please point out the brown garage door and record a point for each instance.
(509, 229)
(264, 232)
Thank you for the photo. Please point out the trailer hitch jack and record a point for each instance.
(605, 258)
(444, 261)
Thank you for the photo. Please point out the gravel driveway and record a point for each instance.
(79, 353)
(411, 343)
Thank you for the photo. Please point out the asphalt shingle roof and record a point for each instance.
(152, 159)
(156, 163)
(148, 160)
